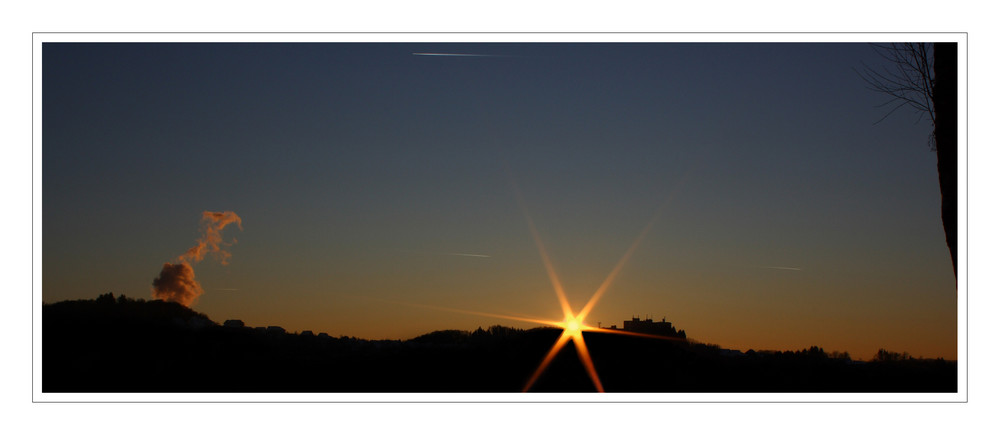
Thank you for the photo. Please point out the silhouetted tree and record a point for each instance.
(840, 355)
(107, 298)
(888, 356)
(924, 77)
(815, 352)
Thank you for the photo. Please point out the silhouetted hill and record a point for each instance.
(108, 311)
(123, 345)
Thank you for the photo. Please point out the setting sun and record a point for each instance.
(572, 326)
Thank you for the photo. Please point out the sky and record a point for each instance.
(382, 190)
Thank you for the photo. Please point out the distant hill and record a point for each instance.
(125, 345)
(108, 311)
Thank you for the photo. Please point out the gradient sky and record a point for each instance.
(359, 170)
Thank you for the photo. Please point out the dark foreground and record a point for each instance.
(136, 346)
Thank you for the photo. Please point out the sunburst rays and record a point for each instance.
(573, 324)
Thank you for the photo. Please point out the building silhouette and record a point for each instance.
(648, 326)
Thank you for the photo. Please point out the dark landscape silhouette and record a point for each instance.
(124, 345)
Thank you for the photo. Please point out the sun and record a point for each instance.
(573, 328)
(573, 325)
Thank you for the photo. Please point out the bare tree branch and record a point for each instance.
(922, 76)
(911, 80)
(908, 79)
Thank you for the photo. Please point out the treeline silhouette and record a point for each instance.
(124, 345)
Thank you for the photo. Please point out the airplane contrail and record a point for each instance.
(457, 54)
(457, 254)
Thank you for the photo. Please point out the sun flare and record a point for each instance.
(573, 328)
(573, 325)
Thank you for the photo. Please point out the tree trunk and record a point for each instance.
(945, 98)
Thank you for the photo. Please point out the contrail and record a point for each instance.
(781, 268)
(457, 54)
(457, 254)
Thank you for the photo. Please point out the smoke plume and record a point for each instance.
(176, 282)
(212, 224)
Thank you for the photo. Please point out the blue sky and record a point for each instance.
(356, 168)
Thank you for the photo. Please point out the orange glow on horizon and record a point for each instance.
(573, 325)
(549, 269)
(573, 328)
